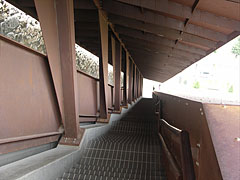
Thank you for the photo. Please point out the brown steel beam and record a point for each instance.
(161, 31)
(98, 4)
(84, 4)
(130, 81)
(103, 68)
(160, 39)
(135, 82)
(180, 10)
(149, 38)
(57, 23)
(126, 80)
(117, 51)
(157, 19)
(160, 48)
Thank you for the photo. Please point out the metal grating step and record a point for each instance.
(130, 150)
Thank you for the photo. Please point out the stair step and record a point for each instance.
(87, 176)
(118, 170)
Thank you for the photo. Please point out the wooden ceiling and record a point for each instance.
(163, 37)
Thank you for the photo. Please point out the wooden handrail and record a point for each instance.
(185, 150)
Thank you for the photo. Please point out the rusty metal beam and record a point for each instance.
(130, 81)
(161, 31)
(57, 22)
(126, 80)
(157, 19)
(180, 10)
(160, 48)
(103, 67)
(135, 83)
(98, 4)
(161, 39)
(117, 74)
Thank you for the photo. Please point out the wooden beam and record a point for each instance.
(57, 23)
(157, 19)
(180, 10)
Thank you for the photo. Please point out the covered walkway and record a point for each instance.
(45, 100)
(130, 149)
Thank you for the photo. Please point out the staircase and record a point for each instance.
(130, 150)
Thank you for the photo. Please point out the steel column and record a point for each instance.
(135, 82)
(126, 80)
(117, 73)
(130, 80)
(103, 67)
(57, 22)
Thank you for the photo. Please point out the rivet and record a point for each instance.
(198, 145)
(186, 104)
(202, 113)
(200, 109)
(237, 139)
(197, 163)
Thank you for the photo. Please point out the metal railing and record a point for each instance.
(176, 147)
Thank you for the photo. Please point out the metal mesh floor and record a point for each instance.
(131, 149)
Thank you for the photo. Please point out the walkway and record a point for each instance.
(129, 150)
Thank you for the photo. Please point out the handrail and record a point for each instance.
(29, 137)
(173, 129)
(185, 149)
(88, 116)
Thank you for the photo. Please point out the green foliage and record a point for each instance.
(196, 85)
(230, 90)
(236, 48)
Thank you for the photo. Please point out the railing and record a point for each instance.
(176, 147)
(184, 169)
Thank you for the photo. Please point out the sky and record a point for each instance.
(216, 78)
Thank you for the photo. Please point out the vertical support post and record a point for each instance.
(103, 69)
(141, 85)
(126, 80)
(57, 23)
(135, 82)
(130, 80)
(117, 74)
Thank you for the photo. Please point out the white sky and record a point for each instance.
(224, 71)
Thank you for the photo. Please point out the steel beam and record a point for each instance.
(160, 48)
(180, 10)
(157, 19)
(103, 67)
(126, 80)
(57, 23)
(164, 32)
(116, 59)
(135, 82)
(130, 81)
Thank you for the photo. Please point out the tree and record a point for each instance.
(236, 48)
(196, 85)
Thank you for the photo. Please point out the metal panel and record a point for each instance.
(189, 115)
(87, 96)
(27, 97)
